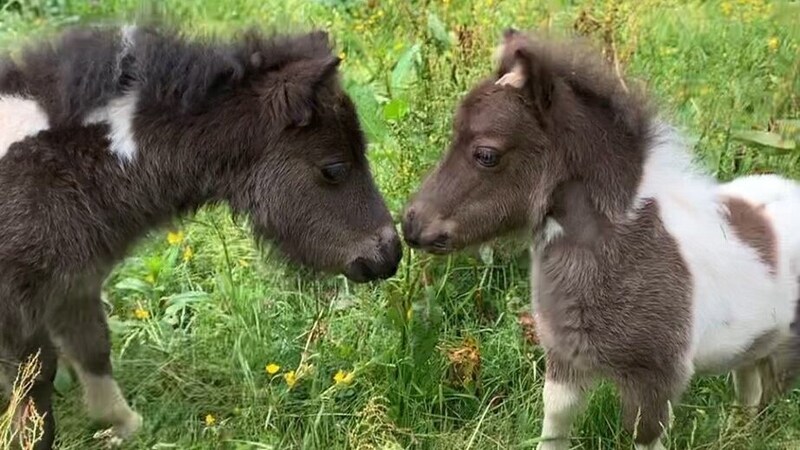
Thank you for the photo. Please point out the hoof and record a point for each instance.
(114, 437)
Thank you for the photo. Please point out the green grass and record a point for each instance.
(217, 319)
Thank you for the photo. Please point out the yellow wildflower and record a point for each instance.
(175, 237)
(188, 254)
(210, 420)
(290, 379)
(141, 313)
(342, 55)
(774, 43)
(343, 377)
(272, 368)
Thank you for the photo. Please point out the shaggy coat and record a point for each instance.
(644, 270)
(108, 133)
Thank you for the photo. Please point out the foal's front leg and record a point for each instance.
(564, 397)
(81, 331)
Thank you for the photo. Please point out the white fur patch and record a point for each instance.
(562, 404)
(19, 118)
(734, 297)
(119, 115)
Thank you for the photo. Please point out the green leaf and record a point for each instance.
(438, 30)
(180, 301)
(764, 138)
(404, 72)
(366, 101)
(134, 284)
(395, 110)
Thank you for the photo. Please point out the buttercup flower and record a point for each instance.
(210, 420)
(141, 313)
(188, 254)
(290, 378)
(343, 377)
(175, 237)
(774, 43)
(272, 368)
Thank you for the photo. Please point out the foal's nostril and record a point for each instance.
(441, 241)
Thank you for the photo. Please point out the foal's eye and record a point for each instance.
(336, 172)
(486, 156)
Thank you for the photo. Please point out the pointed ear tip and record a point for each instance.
(510, 32)
(321, 34)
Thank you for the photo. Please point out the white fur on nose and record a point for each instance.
(19, 118)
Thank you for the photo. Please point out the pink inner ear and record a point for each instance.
(515, 78)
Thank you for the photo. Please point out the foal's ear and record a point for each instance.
(292, 94)
(521, 68)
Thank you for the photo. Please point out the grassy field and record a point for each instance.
(221, 346)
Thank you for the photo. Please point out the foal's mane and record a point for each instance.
(84, 67)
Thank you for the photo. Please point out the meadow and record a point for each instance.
(221, 345)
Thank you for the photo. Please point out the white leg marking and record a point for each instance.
(747, 383)
(105, 403)
(562, 404)
(657, 445)
(19, 118)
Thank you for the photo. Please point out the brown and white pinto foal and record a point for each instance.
(107, 133)
(644, 270)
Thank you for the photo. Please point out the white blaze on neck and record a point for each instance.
(119, 115)
(19, 118)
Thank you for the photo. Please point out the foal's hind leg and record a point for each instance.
(748, 385)
(79, 328)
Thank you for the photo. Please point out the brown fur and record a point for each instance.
(257, 123)
(753, 228)
(588, 321)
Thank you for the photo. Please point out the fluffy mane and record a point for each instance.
(83, 68)
(579, 64)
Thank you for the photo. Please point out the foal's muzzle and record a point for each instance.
(389, 252)
(432, 236)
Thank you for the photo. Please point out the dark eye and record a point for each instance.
(336, 172)
(486, 156)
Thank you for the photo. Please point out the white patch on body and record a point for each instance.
(19, 118)
(119, 115)
(735, 299)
